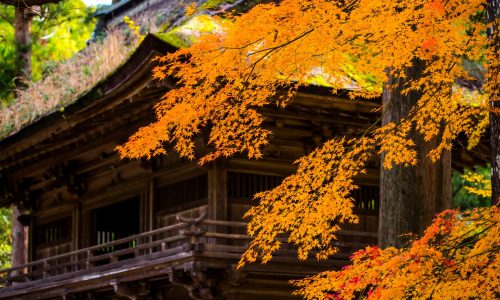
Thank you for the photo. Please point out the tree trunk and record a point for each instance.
(22, 23)
(19, 240)
(495, 154)
(493, 15)
(410, 196)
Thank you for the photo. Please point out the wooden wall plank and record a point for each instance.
(217, 192)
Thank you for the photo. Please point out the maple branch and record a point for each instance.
(469, 240)
(56, 21)
(242, 47)
(285, 43)
(408, 117)
(7, 19)
(440, 275)
(269, 51)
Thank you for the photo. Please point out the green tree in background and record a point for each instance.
(5, 237)
(58, 31)
(472, 188)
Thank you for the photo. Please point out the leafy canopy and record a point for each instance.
(5, 237)
(57, 34)
(261, 57)
(457, 258)
(472, 188)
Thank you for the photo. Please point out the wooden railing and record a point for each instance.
(225, 238)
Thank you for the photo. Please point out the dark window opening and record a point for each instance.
(114, 222)
(367, 198)
(245, 186)
(182, 195)
(55, 232)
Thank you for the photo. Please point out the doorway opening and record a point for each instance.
(116, 221)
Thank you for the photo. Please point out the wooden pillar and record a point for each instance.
(146, 207)
(410, 196)
(146, 215)
(76, 220)
(217, 199)
(86, 223)
(19, 239)
(76, 226)
(149, 213)
(217, 192)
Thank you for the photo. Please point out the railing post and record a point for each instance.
(74, 262)
(194, 232)
(88, 263)
(45, 266)
(8, 279)
(69, 268)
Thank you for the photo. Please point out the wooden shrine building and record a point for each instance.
(104, 228)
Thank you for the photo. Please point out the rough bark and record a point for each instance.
(22, 23)
(410, 196)
(493, 16)
(495, 155)
(19, 240)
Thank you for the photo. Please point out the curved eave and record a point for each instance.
(115, 8)
(102, 94)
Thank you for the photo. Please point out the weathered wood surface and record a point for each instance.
(19, 242)
(410, 197)
(88, 253)
(194, 235)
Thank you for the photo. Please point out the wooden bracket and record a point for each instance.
(122, 289)
(197, 281)
(133, 291)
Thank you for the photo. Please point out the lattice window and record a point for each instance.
(245, 186)
(367, 198)
(55, 232)
(182, 195)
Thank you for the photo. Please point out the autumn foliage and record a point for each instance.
(457, 258)
(260, 58)
(226, 75)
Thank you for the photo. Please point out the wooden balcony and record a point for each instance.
(185, 245)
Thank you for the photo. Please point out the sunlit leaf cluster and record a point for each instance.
(310, 205)
(261, 57)
(472, 187)
(457, 258)
(478, 183)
